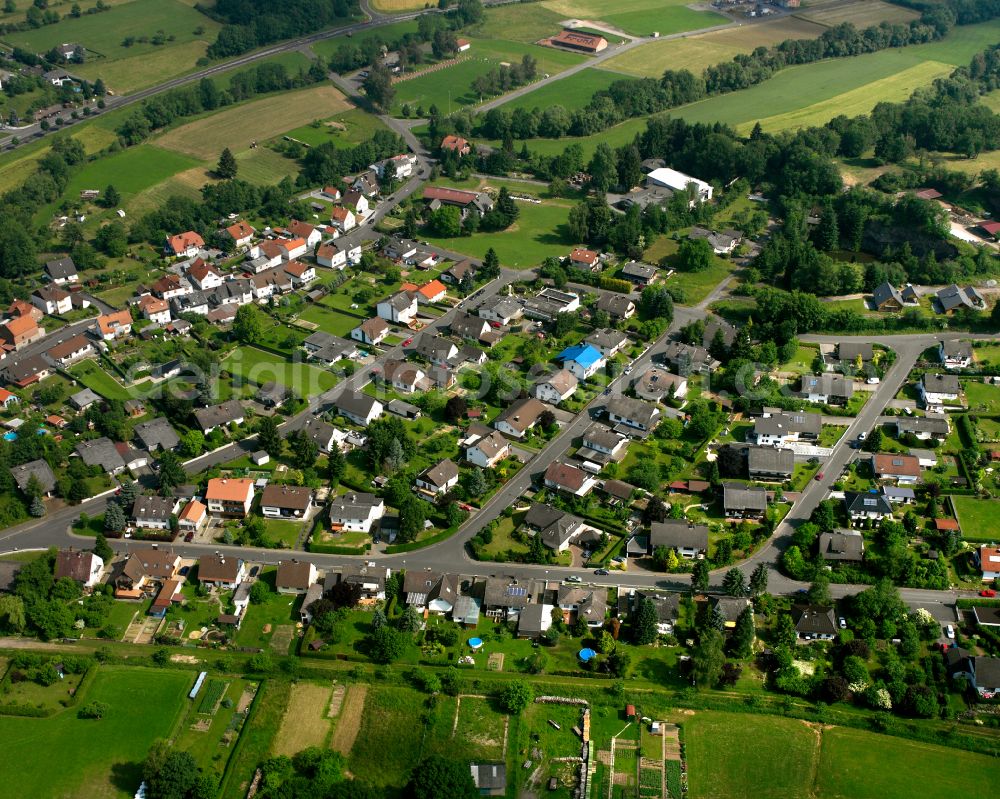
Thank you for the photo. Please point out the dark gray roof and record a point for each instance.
(731, 606)
(850, 350)
(101, 452)
(953, 348)
(319, 432)
(156, 434)
(987, 671)
(353, 505)
(667, 605)
(8, 572)
(935, 425)
(741, 497)
(783, 423)
(674, 533)
(355, 403)
(507, 592)
(770, 460)
(828, 384)
(440, 474)
(841, 545)
(84, 398)
(635, 410)
(489, 776)
(61, 268)
(615, 304)
(815, 620)
(636, 269)
(540, 516)
(153, 508)
(529, 622)
(217, 415)
(468, 326)
(40, 469)
(866, 502)
(885, 292)
(941, 384)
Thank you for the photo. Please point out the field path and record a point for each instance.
(350, 719)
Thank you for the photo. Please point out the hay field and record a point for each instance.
(391, 6)
(304, 723)
(695, 53)
(861, 14)
(349, 721)
(892, 89)
(260, 120)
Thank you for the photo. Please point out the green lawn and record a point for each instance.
(639, 17)
(283, 531)
(572, 92)
(348, 129)
(384, 33)
(330, 321)
(96, 759)
(801, 362)
(387, 747)
(259, 367)
(538, 233)
(977, 518)
(982, 397)
(695, 285)
(278, 609)
(92, 375)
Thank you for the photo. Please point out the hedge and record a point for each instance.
(330, 549)
(434, 539)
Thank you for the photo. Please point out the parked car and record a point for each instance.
(189, 538)
(873, 381)
(843, 623)
(574, 579)
(601, 572)
(819, 476)
(627, 370)
(950, 632)
(988, 592)
(862, 435)
(408, 342)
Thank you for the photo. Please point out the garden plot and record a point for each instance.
(480, 725)
(305, 723)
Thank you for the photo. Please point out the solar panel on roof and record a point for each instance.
(897, 462)
(870, 502)
(516, 590)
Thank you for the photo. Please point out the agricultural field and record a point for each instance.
(259, 120)
(345, 129)
(571, 93)
(259, 367)
(638, 17)
(263, 166)
(397, 6)
(861, 13)
(519, 22)
(100, 759)
(104, 35)
(695, 53)
(305, 722)
(454, 84)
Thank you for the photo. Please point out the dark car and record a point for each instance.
(601, 572)
(184, 570)
(254, 571)
(189, 537)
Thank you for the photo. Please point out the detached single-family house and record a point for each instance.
(456, 274)
(62, 270)
(502, 310)
(584, 259)
(667, 606)
(18, 332)
(221, 415)
(455, 144)
(781, 429)
(490, 779)
(556, 528)
(569, 479)
(355, 512)
(156, 434)
(114, 325)
(866, 506)
(814, 623)
(608, 342)
(286, 501)
(230, 496)
(221, 571)
(152, 513)
(601, 444)
(886, 297)
(989, 563)
(842, 546)
(145, 567)
(640, 274)
(438, 479)
(400, 308)
(519, 417)
(587, 603)
(955, 354)
(38, 469)
(184, 245)
(371, 331)
(657, 385)
(617, 306)
(770, 464)
(101, 452)
(932, 426)
(744, 502)
(80, 566)
(295, 576)
(686, 359)
(436, 350)
(827, 389)
(487, 450)
(72, 350)
(204, 275)
(633, 413)
(556, 387)
(471, 327)
(722, 243)
(904, 469)
(939, 389)
(953, 297)
(358, 407)
(154, 309)
(240, 233)
(193, 517)
(302, 274)
(322, 434)
(687, 540)
(52, 300)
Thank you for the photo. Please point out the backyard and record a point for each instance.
(259, 366)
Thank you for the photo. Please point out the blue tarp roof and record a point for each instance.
(584, 354)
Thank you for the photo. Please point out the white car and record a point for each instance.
(873, 381)
(950, 632)
(843, 623)
(862, 435)
(628, 370)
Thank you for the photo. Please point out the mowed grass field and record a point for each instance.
(977, 518)
(638, 17)
(305, 723)
(131, 171)
(103, 35)
(695, 53)
(259, 367)
(454, 84)
(391, 6)
(571, 93)
(259, 120)
(64, 756)
(861, 14)
(345, 129)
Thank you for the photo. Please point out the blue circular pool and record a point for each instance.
(475, 643)
(587, 655)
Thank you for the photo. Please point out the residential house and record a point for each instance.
(602, 444)
(328, 348)
(534, 620)
(436, 350)
(23, 372)
(904, 469)
(617, 306)
(937, 390)
(358, 408)
(184, 245)
(170, 286)
(145, 567)
(240, 233)
(848, 352)
(332, 255)
(221, 571)
(955, 354)
(156, 434)
(827, 389)
(101, 452)
(557, 387)
(487, 449)
(193, 516)
(152, 513)
(730, 608)
(473, 328)
(417, 586)
(302, 274)
(687, 540)
(607, 341)
(583, 360)
(501, 310)
(331, 193)
(770, 464)
(432, 291)
(8, 399)
(371, 331)
(19, 332)
(438, 479)
(37, 469)
(932, 426)
(455, 144)
(204, 275)
(658, 385)
(295, 576)
(989, 563)
(52, 300)
(633, 413)
(286, 501)
(154, 309)
(400, 308)
(519, 417)
(222, 415)
(640, 274)
(80, 566)
(504, 597)
(369, 579)
(357, 202)
(743, 502)
(71, 350)
(84, 399)
(115, 325)
(555, 528)
(313, 594)
(355, 512)
(842, 546)
(952, 297)
(722, 243)
(815, 623)
(61, 270)
(667, 606)
(866, 506)
(686, 359)
(584, 259)
(308, 233)
(24, 308)
(568, 478)
(899, 495)
(230, 496)
(588, 604)
(782, 429)
(398, 167)
(322, 434)
(456, 274)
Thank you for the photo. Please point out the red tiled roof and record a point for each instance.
(456, 196)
